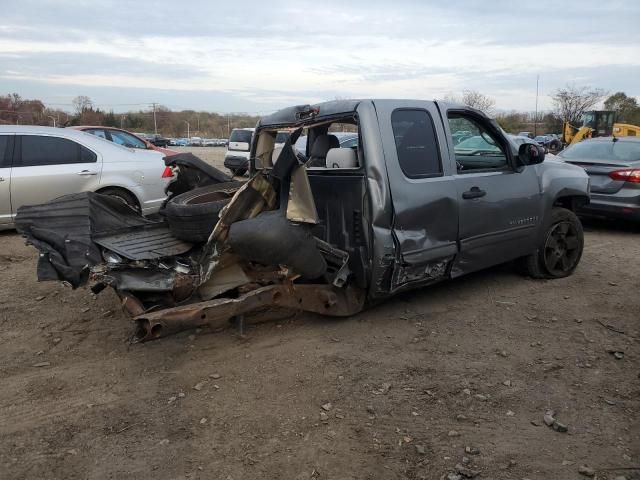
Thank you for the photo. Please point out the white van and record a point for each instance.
(237, 157)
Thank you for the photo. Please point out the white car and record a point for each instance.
(237, 157)
(38, 164)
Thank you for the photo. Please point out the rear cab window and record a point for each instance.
(39, 150)
(416, 143)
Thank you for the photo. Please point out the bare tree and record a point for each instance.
(626, 107)
(475, 99)
(82, 103)
(572, 101)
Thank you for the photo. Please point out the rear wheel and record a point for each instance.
(560, 250)
(123, 195)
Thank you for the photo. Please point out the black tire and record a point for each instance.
(238, 172)
(560, 249)
(192, 215)
(123, 195)
(555, 146)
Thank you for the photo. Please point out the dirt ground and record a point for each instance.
(405, 386)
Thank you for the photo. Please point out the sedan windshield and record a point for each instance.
(618, 151)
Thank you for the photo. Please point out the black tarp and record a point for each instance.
(194, 173)
(63, 230)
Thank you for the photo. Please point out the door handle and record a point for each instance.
(475, 192)
(86, 172)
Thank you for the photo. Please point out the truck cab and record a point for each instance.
(408, 204)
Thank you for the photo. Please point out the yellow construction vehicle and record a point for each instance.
(597, 123)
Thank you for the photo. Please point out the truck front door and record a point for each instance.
(425, 219)
(500, 205)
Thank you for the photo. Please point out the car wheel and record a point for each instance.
(560, 249)
(124, 196)
(555, 146)
(238, 172)
(192, 215)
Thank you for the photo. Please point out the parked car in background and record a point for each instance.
(345, 140)
(181, 142)
(195, 141)
(124, 138)
(158, 140)
(613, 165)
(38, 164)
(461, 136)
(519, 140)
(237, 157)
(526, 134)
(549, 142)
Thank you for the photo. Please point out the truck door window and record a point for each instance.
(416, 143)
(475, 148)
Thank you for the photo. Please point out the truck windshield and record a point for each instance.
(243, 136)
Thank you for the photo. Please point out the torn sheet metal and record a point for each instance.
(222, 281)
(141, 280)
(301, 206)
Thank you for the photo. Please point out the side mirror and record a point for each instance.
(530, 154)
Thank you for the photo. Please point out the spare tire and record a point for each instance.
(192, 215)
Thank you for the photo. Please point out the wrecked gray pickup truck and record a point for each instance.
(329, 230)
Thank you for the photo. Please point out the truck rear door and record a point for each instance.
(425, 224)
(500, 205)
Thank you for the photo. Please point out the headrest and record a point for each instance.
(342, 158)
(322, 144)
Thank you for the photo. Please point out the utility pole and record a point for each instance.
(122, 121)
(228, 125)
(535, 120)
(188, 135)
(155, 125)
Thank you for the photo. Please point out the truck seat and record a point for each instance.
(319, 149)
(342, 158)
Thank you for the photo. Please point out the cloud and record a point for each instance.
(261, 55)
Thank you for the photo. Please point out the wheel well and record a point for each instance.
(572, 202)
(120, 189)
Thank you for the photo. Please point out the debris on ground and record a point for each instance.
(586, 471)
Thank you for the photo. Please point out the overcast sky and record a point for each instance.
(257, 56)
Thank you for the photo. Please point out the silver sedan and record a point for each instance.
(38, 164)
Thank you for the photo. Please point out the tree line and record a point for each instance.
(16, 110)
(569, 103)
